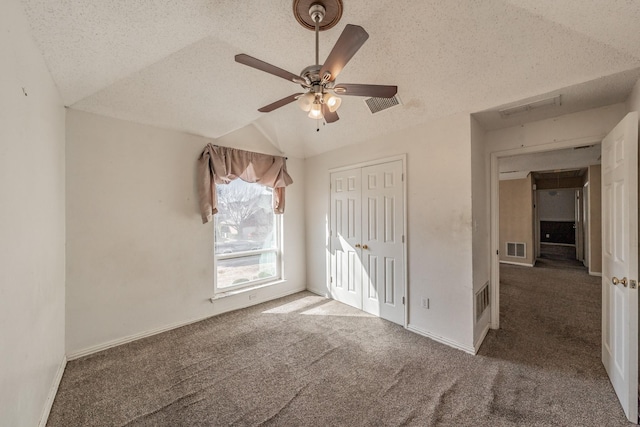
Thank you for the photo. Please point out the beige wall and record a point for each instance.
(32, 201)
(139, 258)
(595, 219)
(516, 218)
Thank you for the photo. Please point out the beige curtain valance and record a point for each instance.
(221, 165)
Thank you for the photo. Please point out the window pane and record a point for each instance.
(235, 271)
(245, 222)
(245, 219)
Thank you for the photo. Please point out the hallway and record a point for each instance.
(551, 322)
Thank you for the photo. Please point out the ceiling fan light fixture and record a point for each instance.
(316, 111)
(306, 101)
(332, 102)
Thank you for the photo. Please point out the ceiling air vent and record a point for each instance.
(379, 104)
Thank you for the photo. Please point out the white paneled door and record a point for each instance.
(346, 211)
(367, 247)
(620, 261)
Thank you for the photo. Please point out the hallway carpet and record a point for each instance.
(307, 361)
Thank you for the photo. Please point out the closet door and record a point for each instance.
(345, 239)
(382, 249)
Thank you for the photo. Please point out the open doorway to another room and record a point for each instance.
(551, 217)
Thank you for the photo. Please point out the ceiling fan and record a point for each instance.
(318, 80)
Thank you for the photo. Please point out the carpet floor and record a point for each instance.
(304, 360)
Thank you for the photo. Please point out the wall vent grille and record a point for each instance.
(517, 250)
(379, 104)
(482, 301)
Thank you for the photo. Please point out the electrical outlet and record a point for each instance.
(425, 303)
(252, 297)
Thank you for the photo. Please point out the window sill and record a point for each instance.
(245, 290)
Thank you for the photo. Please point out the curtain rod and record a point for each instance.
(216, 145)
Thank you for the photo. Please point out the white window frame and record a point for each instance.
(252, 283)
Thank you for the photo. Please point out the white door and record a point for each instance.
(382, 245)
(577, 225)
(346, 268)
(620, 261)
(367, 242)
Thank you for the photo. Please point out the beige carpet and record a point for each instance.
(306, 361)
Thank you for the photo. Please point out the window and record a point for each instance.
(247, 236)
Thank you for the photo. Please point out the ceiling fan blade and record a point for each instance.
(267, 68)
(376, 91)
(351, 39)
(284, 101)
(329, 117)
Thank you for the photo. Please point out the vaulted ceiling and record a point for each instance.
(171, 63)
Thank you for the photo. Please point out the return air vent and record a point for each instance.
(379, 104)
(517, 250)
(482, 301)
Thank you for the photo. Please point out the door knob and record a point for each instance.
(365, 247)
(615, 281)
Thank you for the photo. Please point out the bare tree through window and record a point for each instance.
(245, 234)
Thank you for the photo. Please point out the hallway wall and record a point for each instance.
(595, 219)
(516, 218)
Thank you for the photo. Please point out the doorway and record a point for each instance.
(546, 153)
(367, 238)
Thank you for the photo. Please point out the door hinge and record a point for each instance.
(402, 300)
(402, 177)
(331, 280)
(497, 252)
(403, 238)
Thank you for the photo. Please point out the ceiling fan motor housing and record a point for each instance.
(316, 12)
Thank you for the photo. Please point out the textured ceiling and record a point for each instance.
(171, 63)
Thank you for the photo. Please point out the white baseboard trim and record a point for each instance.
(595, 273)
(522, 264)
(442, 340)
(319, 293)
(130, 338)
(48, 404)
(483, 335)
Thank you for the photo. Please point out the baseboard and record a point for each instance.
(483, 335)
(48, 404)
(442, 340)
(522, 264)
(319, 293)
(130, 338)
(595, 273)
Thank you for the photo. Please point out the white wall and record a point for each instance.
(480, 215)
(594, 123)
(138, 256)
(31, 225)
(439, 221)
(557, 205)
(633, 102)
